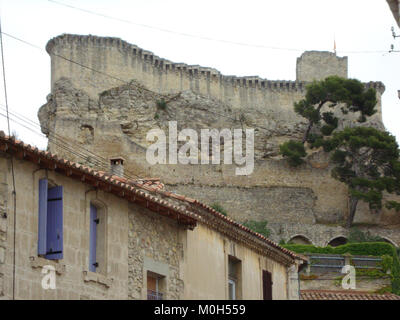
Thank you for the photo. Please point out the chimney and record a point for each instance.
(117, 166)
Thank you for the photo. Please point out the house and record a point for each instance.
(70, 232)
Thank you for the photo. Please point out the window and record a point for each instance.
(155, 286)
(232, 289)
(97, 242)
(267, 285)
(93, 264)
(50, 233)
(234, 278)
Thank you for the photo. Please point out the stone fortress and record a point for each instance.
(104, 94)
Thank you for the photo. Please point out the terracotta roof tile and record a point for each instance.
(345, 295)
(151, 185)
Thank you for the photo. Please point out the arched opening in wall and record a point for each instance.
(390, 241)
(338, 241)
(299, 239)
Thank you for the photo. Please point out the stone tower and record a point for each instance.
(317, 65)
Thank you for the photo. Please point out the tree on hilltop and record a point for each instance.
(350, 95)
(367, 161)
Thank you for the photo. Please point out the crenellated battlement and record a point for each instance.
(193, 71)
(302, 200)
(95, 64)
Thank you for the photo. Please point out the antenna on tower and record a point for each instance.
(334, 44)
(394, 33)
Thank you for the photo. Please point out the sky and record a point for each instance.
(242, 38)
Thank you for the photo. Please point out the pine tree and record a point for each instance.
(367, 161)
(348, 95)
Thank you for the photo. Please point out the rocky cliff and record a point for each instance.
(109, 108)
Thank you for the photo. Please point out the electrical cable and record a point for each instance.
(192, 35)
(99, 161)
(116, 78)
(12, 164)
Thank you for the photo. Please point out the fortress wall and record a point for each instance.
(273, 192)
(124, 62)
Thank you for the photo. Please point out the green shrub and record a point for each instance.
(258, 226)
(162, 104)
(217, 207)
(379, 249)
(294, 151)
(357, 236)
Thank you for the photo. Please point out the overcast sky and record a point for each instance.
(361, 29)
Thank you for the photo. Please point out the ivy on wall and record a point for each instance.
(390, 259)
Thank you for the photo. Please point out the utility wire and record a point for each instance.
(59, 141)
(119, 79)
(192, 35)
(12, 162)
(123, 81)
(65, 58)
(115, 78)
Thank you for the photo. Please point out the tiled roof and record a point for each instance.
(147, 190)
(100, 179)
(154, 184)
(345, 295)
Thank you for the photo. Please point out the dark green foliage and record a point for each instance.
(349, 94)
(161, 104)
(386, 263)
(217, 207)
(357, 236)
(258, 226)
(367, 160)
(334, 90)
(294, 151)
(365, 249)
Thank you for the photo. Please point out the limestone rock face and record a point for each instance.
(132, 110)
(89, 118)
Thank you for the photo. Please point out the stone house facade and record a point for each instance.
(106, 237)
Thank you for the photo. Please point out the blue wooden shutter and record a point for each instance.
(42, 229)
(93, 238)
(55, 223)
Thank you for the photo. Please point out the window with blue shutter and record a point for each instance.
(93, 238)
(42, 232)
(50, 237)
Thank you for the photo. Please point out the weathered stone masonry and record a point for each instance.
(3, 222)
(111, 115)
(156, 238)
(146, 229)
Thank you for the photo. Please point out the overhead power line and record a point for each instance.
(121, 80)
(113, 77)
(184, 34)
(14, 192)
(59, 141)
